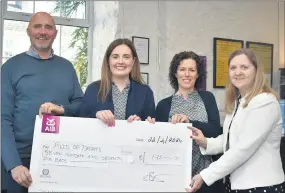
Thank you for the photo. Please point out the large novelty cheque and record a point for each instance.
(85, 155)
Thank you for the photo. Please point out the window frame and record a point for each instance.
(1, 30)
(88, 22)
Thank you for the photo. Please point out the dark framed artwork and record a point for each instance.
(142, 47)
(145, 77)
(222, 50)
(203, 86)
(264, 52)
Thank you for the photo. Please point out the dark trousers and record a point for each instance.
(279, 188)
(10, 185)
(217, 187)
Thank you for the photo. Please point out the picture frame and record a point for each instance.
(203, 85)
(264, 52)
(145, 77)
(142, 47)
(222, 50)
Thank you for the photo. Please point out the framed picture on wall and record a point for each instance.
(145, 77)
(203, 85)
(222, 50)
(264, 52)
(142, 47)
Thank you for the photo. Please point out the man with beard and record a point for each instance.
(33, 80)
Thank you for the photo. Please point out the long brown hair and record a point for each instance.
(106, 75)
(259, 86)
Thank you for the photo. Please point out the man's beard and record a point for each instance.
(42, 47)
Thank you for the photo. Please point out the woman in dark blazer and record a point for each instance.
(121, 93)
(189, 105)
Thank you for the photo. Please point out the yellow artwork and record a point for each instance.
(223, 49)
(264, 53)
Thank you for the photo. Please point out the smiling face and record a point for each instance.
(41, 31)
(121, 61)
(242, 73)
(187, 74)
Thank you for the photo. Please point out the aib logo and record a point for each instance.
(50, 124)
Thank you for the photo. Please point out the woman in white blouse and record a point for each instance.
(252, 132)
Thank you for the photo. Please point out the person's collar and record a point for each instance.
(188, 95)
(33, 53)
(127, 84)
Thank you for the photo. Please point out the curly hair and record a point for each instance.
(176, 60)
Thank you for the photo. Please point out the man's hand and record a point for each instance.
(22, 175)
(50, 108)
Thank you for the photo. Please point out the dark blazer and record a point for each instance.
(140, 101)
(210, 129)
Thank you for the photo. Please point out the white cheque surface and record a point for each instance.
(87, 156)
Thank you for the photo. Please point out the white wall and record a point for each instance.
(140, 18)
(105, 28)
(175, 26)
(192, 26)
(201, 21)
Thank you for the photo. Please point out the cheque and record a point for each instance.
(84, 155)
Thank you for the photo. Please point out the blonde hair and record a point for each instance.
(106, 75)
(259, 85)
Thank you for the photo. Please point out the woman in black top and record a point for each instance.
(190, 105)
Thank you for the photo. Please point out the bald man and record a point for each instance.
(33, 82)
